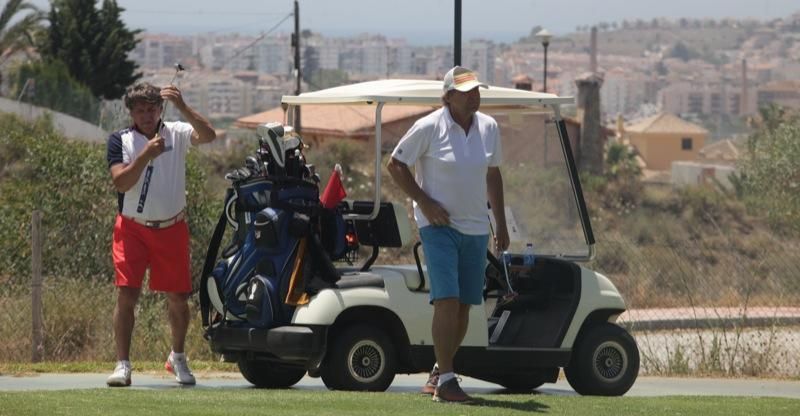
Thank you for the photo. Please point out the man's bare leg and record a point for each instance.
(124, 320)
(446, 329)
(178, 309)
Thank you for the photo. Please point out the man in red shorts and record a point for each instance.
(148, 165)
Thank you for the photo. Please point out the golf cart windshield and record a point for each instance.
(543, 198)
(542, 206)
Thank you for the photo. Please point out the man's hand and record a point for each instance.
(501, 239)
(172, 94)
(434, 212)
(154, 147)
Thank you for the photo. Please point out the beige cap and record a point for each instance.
(461, 79)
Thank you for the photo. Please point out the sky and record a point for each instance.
(424, 22)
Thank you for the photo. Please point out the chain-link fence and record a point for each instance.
(76, 311)
(710, 305)
(704, 306)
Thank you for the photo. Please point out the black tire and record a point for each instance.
(360, 358)
(605, 362)
(519, 382)
(270, 375)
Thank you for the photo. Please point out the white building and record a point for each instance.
(623, 92)
(706, 98)
(154, 51)
(270, 55)
(479, 56)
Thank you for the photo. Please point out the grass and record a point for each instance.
(21, 368)
(293, 402)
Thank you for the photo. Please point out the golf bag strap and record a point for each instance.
(208, 266)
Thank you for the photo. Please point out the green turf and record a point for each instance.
(200, 401)
(104, 366)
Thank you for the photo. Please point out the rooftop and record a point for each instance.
(664, 123)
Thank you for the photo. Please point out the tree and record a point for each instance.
(55, 89)
(770, 173)
(94, 45)
(683, 52)
(20, 35)
(621, 162)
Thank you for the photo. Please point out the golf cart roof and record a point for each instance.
(417, 92)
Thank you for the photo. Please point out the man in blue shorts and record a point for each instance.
(456, 153)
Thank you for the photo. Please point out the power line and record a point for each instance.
(202, 12)
(249, 45)
(258, 39)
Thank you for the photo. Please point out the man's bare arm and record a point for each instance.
(401, 174)
(494, 190)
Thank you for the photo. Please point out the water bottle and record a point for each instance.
(527, 256)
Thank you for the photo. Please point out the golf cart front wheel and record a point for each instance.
(270, 375)
(361, 358)
(605, 362)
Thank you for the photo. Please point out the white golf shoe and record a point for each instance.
(121, 377)
(179, 366)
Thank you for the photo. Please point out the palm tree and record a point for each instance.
(20, 34)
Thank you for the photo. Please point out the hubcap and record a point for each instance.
(365, 361)
(610, 361)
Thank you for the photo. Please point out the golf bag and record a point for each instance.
(276, 256)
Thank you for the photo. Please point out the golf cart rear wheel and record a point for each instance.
(361, 358)
(605, 362)
(270, 375)
(519, 382)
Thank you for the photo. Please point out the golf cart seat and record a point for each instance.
(390, 228)
(411, 275)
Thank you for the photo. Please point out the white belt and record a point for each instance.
(158, 224)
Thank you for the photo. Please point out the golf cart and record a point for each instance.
(357, 327)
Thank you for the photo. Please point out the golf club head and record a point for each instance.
(291, 143)
(252, 163)
(272, 134)
(179, 67)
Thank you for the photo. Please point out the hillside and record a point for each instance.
(661, 247)
(705, 36)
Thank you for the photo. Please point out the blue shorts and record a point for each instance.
(456, 263)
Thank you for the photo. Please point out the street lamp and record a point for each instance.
(544, 36)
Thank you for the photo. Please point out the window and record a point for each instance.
(686, 143)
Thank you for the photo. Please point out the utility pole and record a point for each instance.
(457, 35)
(297, 72)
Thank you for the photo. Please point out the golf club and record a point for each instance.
(252, 163)
(149, 171)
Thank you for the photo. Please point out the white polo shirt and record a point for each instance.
(166, 195)
(451, 165)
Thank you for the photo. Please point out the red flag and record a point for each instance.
(334, 191)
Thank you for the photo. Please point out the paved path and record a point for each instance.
(656, 319)
(645, 386)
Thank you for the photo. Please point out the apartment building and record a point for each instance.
(224, 94)
(154, 51)
(783, 93)
(270, 55)
(712, 98)
(479, 56)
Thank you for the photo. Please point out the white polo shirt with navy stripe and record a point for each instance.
(166, 195)
(451, 166)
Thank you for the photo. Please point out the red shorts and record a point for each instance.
(164, 250)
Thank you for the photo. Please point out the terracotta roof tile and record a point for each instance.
(664, 123)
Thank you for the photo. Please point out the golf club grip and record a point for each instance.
(145, 187)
